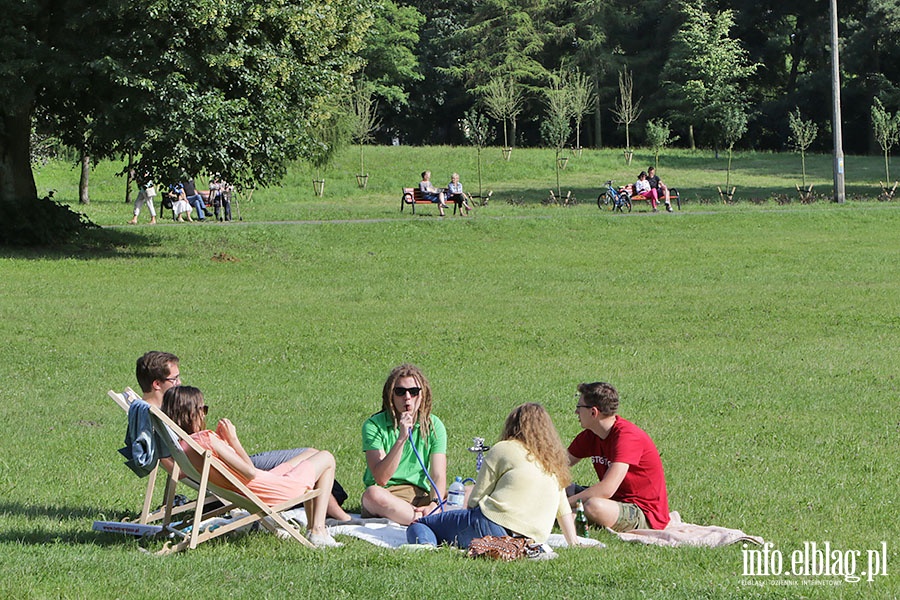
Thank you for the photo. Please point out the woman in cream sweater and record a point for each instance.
(520, 489)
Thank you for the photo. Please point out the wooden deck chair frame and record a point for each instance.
(268, 515)
(124, 401)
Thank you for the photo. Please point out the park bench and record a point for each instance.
(674, 197)
(166, 203)
(413, 196)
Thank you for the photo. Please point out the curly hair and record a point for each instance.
(184, 405)
(531, 425)
(387, 396)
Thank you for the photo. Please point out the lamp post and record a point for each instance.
(836, 109)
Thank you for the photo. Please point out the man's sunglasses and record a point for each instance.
(401, 391)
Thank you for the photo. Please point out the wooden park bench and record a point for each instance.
(674, 197)
(413, 196)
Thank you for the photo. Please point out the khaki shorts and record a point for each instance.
(630, 517)
(412, 494)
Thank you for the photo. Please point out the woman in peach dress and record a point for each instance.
(310, 469)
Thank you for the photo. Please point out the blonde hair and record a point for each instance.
(387, 396)
(531, 425)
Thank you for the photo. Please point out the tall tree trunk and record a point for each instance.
(512, 142)
(691, 137)
(129, 177)
(598, 119)
(83, 196)
(16, 178)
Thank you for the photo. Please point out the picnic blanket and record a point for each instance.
(679, 533)
(387, 534)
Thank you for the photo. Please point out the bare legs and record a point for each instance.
(380, 502)
(602, 511)
(333, 509)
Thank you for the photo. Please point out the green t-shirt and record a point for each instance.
(379, 433)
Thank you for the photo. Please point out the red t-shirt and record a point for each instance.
(645, 483)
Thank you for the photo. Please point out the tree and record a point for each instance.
(363, 122)
(581, 100)
(626, 110)
(477, 130)
(733, 126)
(587, 38)
(887, 133)
(331, 132)
(391, 64)
(803, 133)
(555, 128)
(658, 137)
(709, 69)
(503, 38)
(502, 97)
(239, 96)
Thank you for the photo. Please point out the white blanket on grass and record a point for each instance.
(679, 533)
(387, 534)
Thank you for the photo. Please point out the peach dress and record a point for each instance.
(281, 484)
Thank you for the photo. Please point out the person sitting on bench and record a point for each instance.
(432, 193)
(661, 189)
(643, 190)
(457, 195)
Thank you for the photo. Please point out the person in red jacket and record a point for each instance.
(631, 492)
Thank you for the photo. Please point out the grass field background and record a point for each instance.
(519, 185)
(756, 344)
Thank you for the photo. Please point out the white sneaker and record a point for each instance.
(323, 540)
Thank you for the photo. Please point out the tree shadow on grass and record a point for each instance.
(52, 524)
(94, 244)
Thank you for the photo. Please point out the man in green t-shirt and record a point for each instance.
(397, 486)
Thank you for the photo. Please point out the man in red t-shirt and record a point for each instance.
(631, 493)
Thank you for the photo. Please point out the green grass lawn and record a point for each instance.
(519, 185)
(756, 344)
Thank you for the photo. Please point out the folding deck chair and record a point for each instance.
(190, 528)
(124, 401)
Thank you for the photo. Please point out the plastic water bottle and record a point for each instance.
(456, 495)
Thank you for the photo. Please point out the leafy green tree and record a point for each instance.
(187, 85)
(733, 126)
(502, 97)
(887, 133)
(389, 52)
(803, 133)
(581, 100)
(555, 128)
(502, 38)
(584, 31)
(709, 69)
(658, 137)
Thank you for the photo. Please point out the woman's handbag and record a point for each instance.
(503, 548)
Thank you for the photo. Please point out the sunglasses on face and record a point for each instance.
(402, 391)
